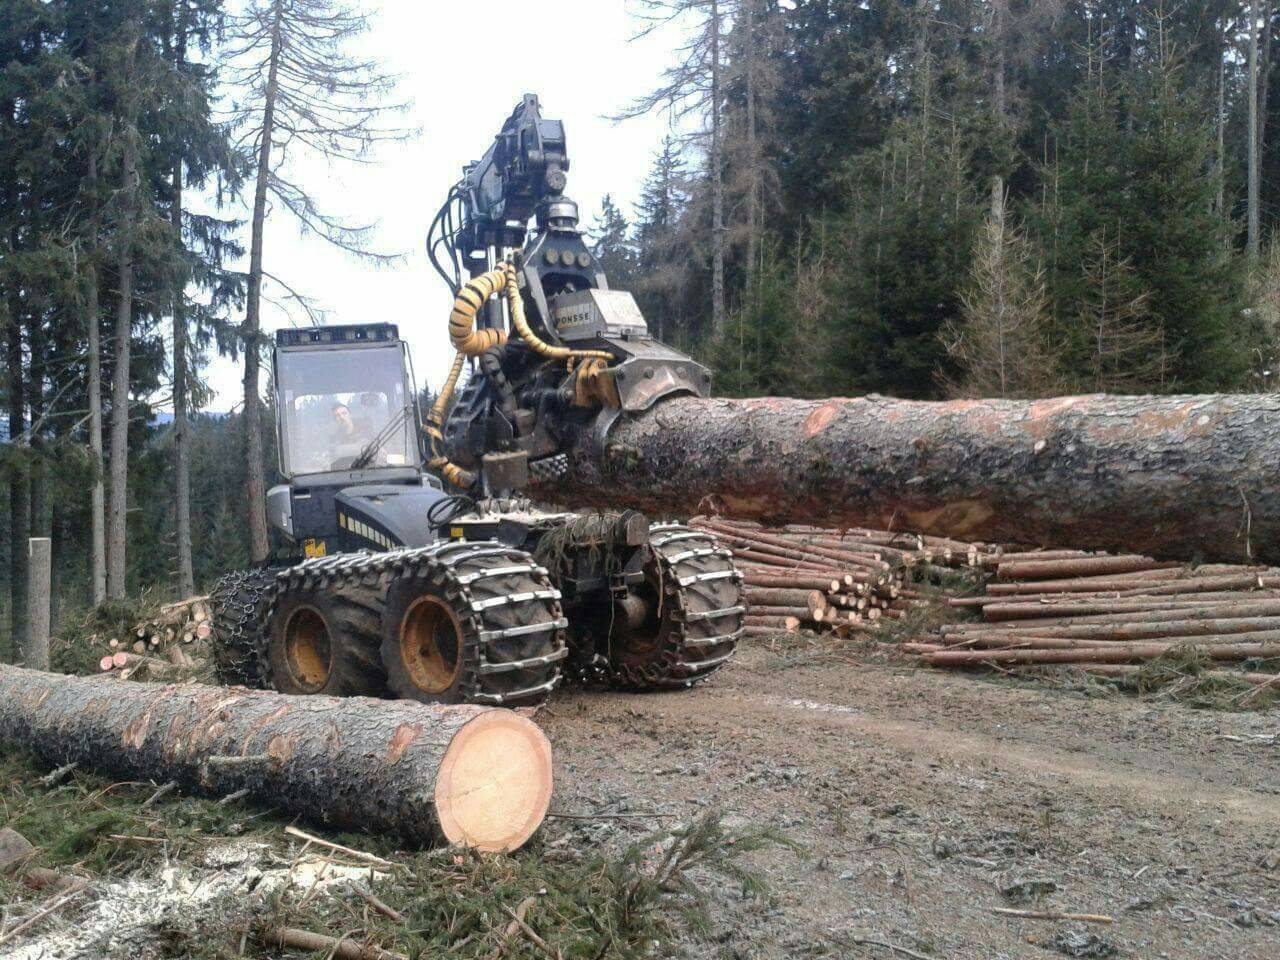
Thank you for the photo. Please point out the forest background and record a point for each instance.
(921, 198)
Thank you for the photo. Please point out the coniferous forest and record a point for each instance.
(920, 198)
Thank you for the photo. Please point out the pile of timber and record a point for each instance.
(164, 645)
(1109, 614)
(842, 581)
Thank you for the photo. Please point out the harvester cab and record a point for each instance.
(350, 449)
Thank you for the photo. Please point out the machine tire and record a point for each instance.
(323, 639)
(438, 607)
(680, 645)
(239, 603)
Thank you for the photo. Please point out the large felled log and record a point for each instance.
(465, 774)
(1173, 477)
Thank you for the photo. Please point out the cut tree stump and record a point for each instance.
(471, 775)
(1172, 477)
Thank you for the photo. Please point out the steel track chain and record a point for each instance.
(236, 602)
(365, 568)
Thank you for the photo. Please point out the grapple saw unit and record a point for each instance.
(410, 561)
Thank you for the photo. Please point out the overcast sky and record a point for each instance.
(464, 66)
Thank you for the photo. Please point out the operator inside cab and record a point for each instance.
(347, 438)
(340, 408)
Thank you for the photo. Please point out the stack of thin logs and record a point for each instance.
(1110, 614)
(843, 581)
(172, 638)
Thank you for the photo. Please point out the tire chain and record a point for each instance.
(238, 603)
(364, 569)
(686, 558)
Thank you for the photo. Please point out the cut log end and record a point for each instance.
(494, 784)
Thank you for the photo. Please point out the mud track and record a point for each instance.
(919, 801)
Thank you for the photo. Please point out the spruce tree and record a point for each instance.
(611, 245)
(1000, 347)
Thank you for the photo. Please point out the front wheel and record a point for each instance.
(692, 598)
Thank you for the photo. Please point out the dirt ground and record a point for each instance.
(918, 801)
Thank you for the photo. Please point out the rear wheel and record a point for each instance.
(325, 640)
(473, 622)
(239, 604)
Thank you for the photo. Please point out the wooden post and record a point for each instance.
(35, 650)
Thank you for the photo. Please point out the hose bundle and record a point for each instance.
(471, 342)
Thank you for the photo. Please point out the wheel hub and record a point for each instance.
(431, 645)
(308, 651)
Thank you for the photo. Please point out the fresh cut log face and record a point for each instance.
(472, 775)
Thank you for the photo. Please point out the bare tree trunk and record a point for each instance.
(1222, 117)
(717, 183)
(1253, 185)
(181, 429)
(19, 487)
(255, 479)
(1175, 476)
(753, 184)
(1264, 87)
(35, 402)
(97, 493)
(999, 14)
(117, 507)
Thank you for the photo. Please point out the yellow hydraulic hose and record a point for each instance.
(470, 342)
(542, 349)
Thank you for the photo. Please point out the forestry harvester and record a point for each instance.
(407, 560)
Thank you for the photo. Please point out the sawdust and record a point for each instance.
(233, 881)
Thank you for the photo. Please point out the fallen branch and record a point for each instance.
(1053, 915)
(512, 928)
(339, 848)
(58, 904)
(386, 910)
(345, 948)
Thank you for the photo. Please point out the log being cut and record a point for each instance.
(471, 775)
(1175, 477)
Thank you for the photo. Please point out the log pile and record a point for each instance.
(167, 644)
(1109, 614)
(842, 581)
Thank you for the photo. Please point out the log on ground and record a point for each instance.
(472, 775)
(1171, 477)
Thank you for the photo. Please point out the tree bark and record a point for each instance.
(999, 14)
(464, 774)
(255, 479)
(1253, 159)
(717, 183)
(1264, 89)
(1221, 118)
(35, 650)
(19, 484)
(37, 349)
(750, 53)
(181, 429)
(117, 510)
(97, 492)
(1172, 477)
